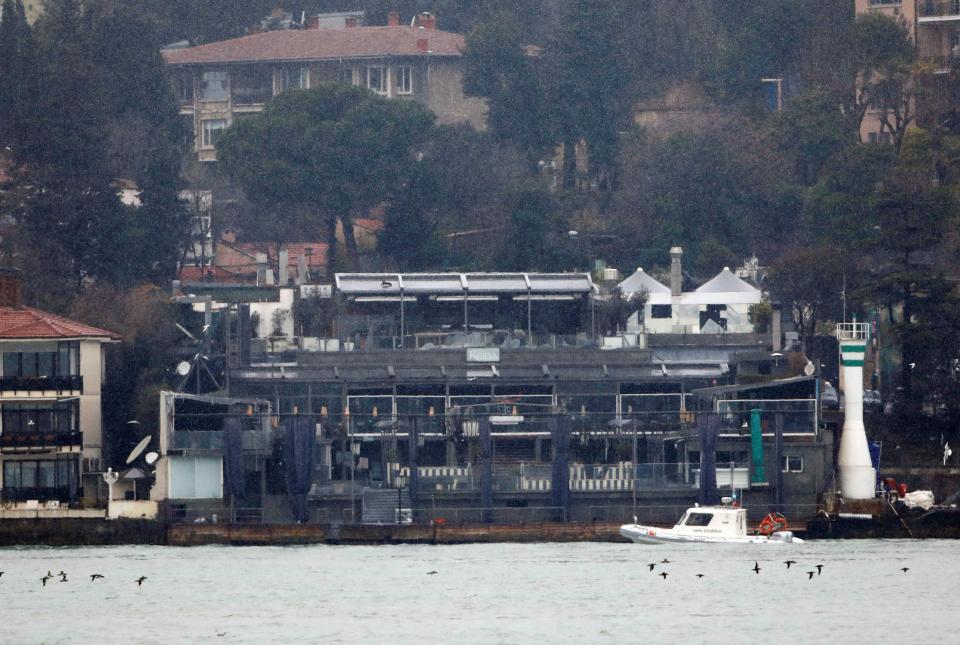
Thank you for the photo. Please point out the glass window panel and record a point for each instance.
(63, 472)
(11, 364)
(28, 364)
(45, 364)
(404, 80)
(376, 79)
(212, 129)
(11, 474)
(214, 86)
(252, 84)
(46, 474)
(63, 360)
(28, 474)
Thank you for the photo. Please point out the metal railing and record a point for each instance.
(23, 440)
(212, 441)
(41, 383)
(939, 8)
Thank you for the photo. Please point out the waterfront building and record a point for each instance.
(485, 396)
(51, 430)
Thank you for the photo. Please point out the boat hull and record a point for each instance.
(654, 535)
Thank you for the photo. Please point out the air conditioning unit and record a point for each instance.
(610, 274)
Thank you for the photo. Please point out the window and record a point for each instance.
(251, 84)
(65, 361)
(214, 86)
(345, 75)
(30, 475)
(791, 464)
(404, 80)
(377, 79)
(212, 129)
(40, 417)
(661, 311)
(184, 82)
(294, 78)
(699, 519)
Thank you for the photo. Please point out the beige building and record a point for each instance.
(51, 430)
(219, 82)
(934, 27)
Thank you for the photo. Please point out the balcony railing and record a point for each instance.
(212, 441)
(13, 441)
(60, 493)
(939, 9)
(41, 383)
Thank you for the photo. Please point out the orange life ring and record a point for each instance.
(772, 523)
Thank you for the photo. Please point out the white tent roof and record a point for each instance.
(725, 288)
(657, 293)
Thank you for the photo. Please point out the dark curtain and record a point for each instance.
(560, 476)
(298, 440)
(708, 425)
(233, 458)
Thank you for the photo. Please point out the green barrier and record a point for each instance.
(758, 475)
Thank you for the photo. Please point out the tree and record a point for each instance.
(18, 82)
(337, 149)
(810, 281)
(884, 60)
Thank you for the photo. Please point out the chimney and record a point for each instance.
(261, 269)
(426, 20)
(676, 271)
(423, 45)
(9, 287)
(351, 22)
(283, 262)
(393, 19)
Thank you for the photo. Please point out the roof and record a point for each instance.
(321, 44)
(388, 284)
(724, 288)
(657, 293)
(746, 387)
(27, 323)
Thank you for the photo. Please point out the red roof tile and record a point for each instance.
(25, 322)
(321, 44)
(207, 274)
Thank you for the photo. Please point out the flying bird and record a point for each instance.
(756, 568)
(664, 575)
(664, 561)
(819, 567)
(809, 575)
(699, 575)
(95, 576)
(431, 573)
(140, 580)
(44, 580)
(652, 565)
(1, 574)
(789, 562)
(63, 578)
(905, 569)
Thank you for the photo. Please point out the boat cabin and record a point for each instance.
(713, 521)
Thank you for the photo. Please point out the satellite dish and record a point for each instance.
(809, 369)
(183, 368)
(140, 447)
(151, 458)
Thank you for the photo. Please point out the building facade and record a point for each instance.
(220, 82)
(51, 430)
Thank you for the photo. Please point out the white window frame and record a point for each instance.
(206, 138)
(383, 79)
(404, 75)
(347, 75)
(785, 464)
(303, 82)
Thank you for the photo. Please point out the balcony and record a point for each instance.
(33, 441)
(196, 441)
(44, 494)
(41, 384)
(938, 10)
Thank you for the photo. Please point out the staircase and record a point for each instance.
(380, 506)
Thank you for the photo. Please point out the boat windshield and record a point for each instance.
(699, 519)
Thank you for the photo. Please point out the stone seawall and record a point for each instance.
(80, 532)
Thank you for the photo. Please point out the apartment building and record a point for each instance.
(218, 83)
(51, 430)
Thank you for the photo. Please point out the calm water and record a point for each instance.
(506, 593)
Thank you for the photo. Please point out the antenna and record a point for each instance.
(183, 368)
(151, 458)
(139, 448)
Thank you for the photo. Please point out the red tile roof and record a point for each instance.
(208, 274)
(321, 44)
(369, 224)
(25, 322)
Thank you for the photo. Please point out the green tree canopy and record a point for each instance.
(337, 149)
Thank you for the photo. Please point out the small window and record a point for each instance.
(699, 519)
(661, 311)
(212, 129)
(185, 88)
(377, 79)
(404, 78)
(345, 75)
(294, 78)
(791, 464)
(214, 86)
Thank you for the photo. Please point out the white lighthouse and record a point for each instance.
(857, 476)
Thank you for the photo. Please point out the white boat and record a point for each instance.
(727, 524)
